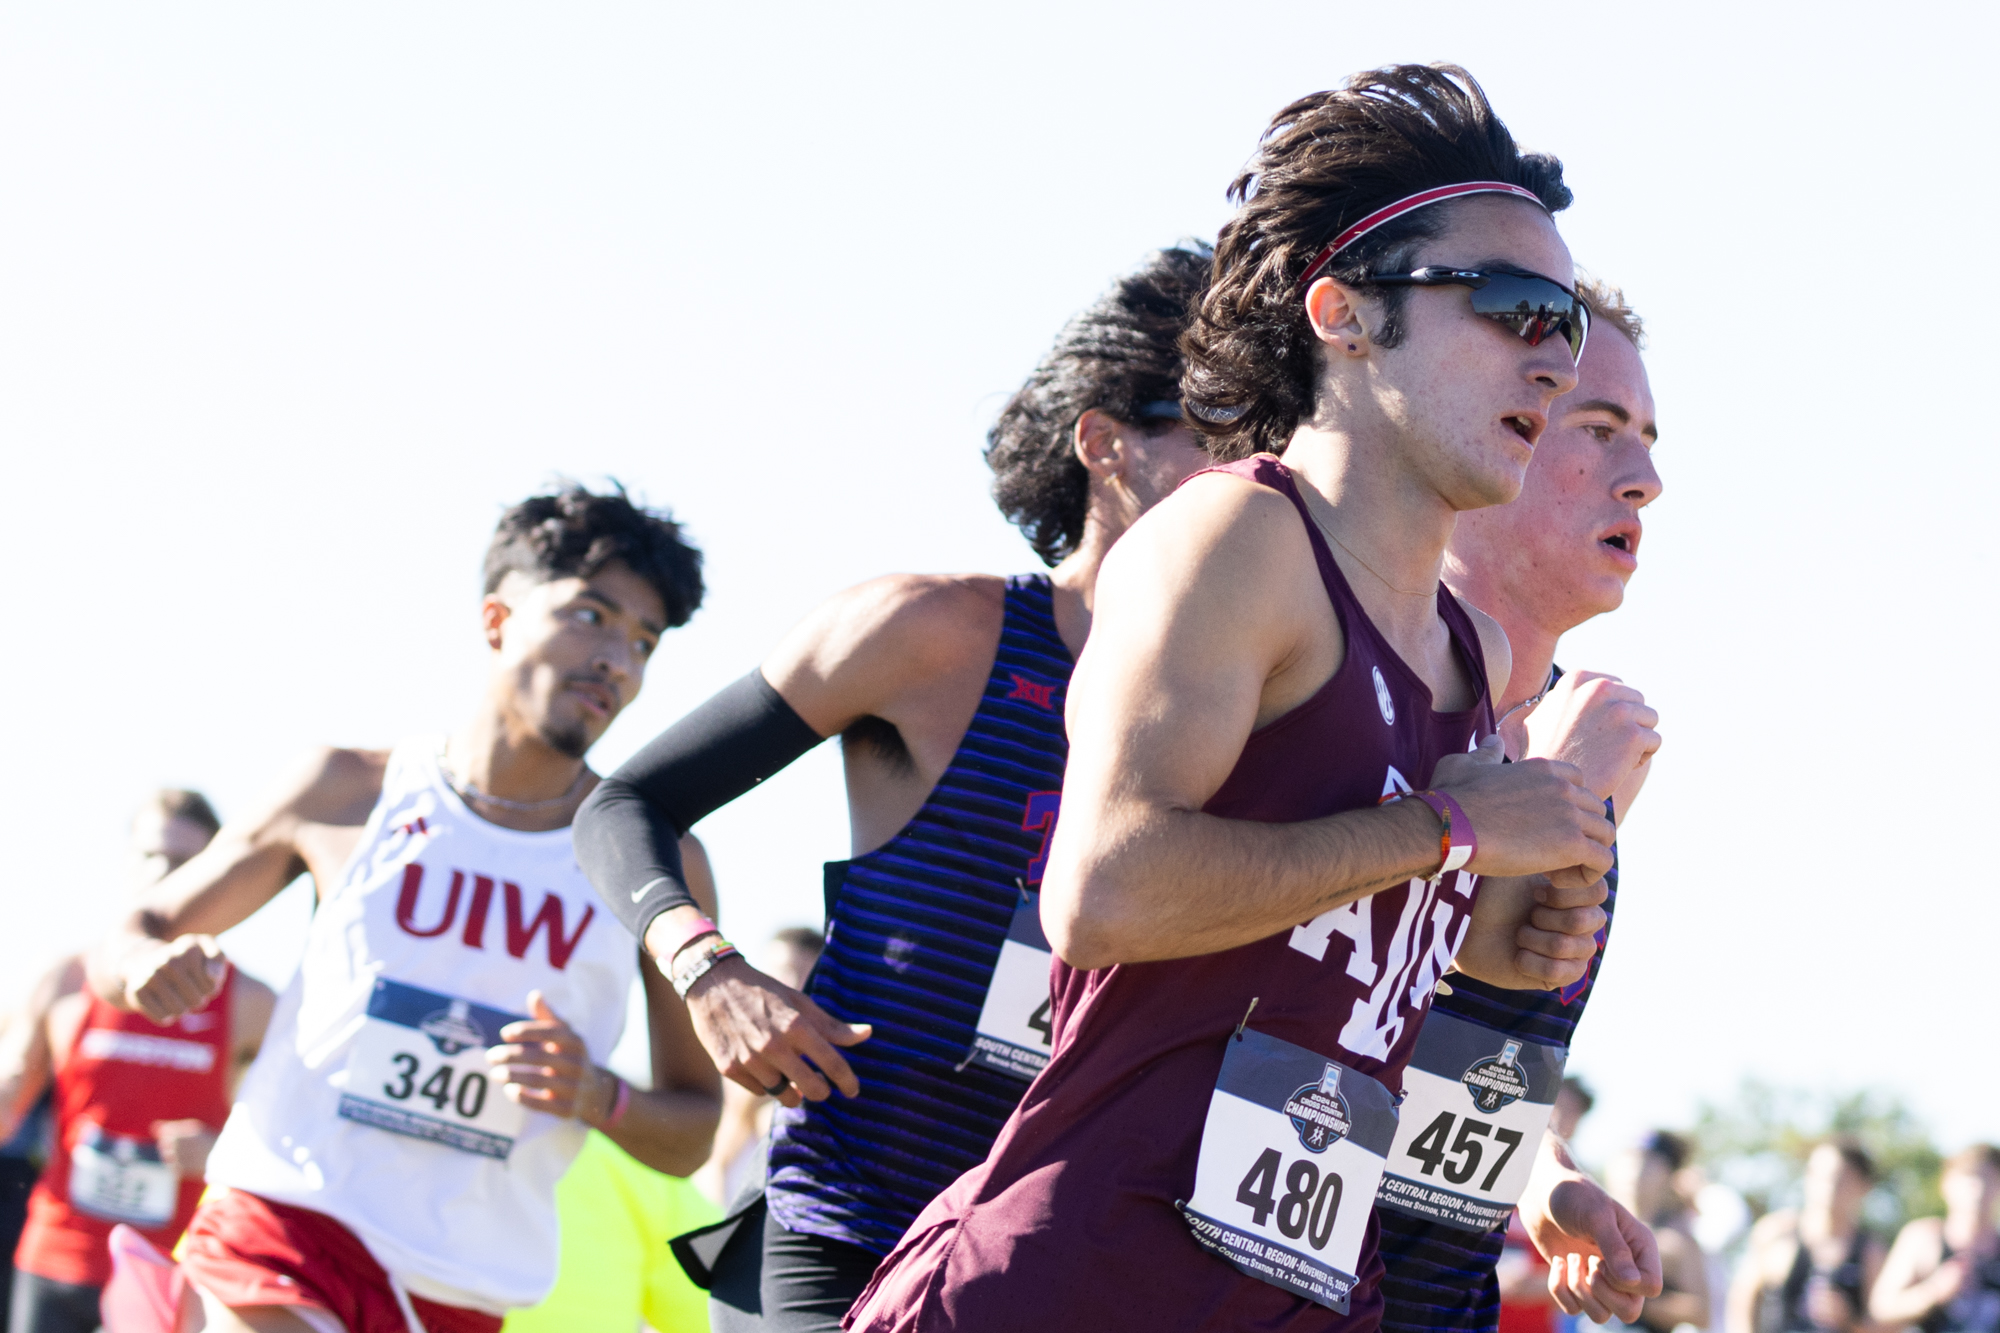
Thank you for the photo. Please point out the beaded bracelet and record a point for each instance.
(697, 962)
(1458, 844)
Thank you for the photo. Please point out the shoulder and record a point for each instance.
(327, 783)
(1923, 1236)
(1219, 528)
(931, 621)
(1493, 644)
(63, 978)
(1774, 1227)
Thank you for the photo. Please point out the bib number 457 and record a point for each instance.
(1459, 1158)
(1309, 1205)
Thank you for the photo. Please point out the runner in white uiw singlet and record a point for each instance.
(392, 1159)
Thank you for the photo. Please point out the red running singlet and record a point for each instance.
(124, 1075)
(1071, 1222)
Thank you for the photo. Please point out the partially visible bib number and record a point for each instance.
(1014, 1031)
(1291, 1156)
(1475, 1106)
(418, 1067)
(122, 1179)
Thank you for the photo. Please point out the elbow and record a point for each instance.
(1083, 919)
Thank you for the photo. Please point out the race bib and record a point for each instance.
(1290, 1159)
(419, 1068)
(1014, 1024)
(1475, 1106)
(122, 1179)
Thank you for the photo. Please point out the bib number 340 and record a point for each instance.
(419, 1068)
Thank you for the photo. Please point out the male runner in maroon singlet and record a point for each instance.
(137, 1105)
(1248, 935)
(392, 1156)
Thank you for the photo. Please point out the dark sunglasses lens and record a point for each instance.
(1534, 308)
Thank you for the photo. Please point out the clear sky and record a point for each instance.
(294, 298)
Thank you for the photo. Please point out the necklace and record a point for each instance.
(471, 793)
(1528, 702)
(1321, 525)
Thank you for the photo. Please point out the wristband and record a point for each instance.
(1459, 844)
(700, 962)
(620, 1101)
(696, 928)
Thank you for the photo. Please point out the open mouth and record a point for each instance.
(596, 696)
(1624, 537)
(1527, 426)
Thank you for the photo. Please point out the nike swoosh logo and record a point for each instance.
(647, 887)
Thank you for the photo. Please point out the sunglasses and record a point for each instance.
(1534, 308)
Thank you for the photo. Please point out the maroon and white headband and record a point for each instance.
(1422, 198)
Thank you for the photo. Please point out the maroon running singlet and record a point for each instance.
(1084, 1216)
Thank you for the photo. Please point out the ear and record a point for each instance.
(1335, 315)
(493, 613)
(1100, 445)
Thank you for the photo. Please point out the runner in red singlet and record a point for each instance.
(137, 1105)
(1249, 924)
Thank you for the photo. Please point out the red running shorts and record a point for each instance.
(244, 1250)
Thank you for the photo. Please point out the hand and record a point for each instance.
(1532, 818)
(184, 1145)
(168, 978)
(547, 1065)
(1527, 934)
(1603, 1262)
(762, 1034)
(1559, 938)
(1599, 724)
(1827, 1306)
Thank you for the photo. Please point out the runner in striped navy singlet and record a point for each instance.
(914, 929)
(1555, 557)
(929, 1010)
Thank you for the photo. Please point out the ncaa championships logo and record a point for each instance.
(452, 1030)
(1496, 1081)
(1319, 1113)
(1382, 699)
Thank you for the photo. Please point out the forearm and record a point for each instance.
(628, 832)
(1164, 883)
(670, 1130)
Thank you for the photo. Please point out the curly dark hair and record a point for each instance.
(1118, 356)
(571, 532)
(1326, 162)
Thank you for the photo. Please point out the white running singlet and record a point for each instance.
(372, 1101)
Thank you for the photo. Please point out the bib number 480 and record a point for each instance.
(1460, 1160)
(1308, 1206)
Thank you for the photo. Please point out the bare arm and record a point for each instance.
(1602, 1260)
(1916, 1278)
(26, 1062)
(161, 960)
(187, 1143)
(1196, 642)
(912, 651)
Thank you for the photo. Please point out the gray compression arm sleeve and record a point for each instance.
(628, 832)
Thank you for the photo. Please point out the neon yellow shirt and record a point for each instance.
(616, 1269)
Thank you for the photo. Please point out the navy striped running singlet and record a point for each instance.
(913, 931)
(1441, 1277)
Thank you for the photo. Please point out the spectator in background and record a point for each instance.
(137, 1105)
(1812, 1268)
(1573, 1103)
(1943, 1274)
(1642, 1178)
(1525, 1303)
(738, 1158)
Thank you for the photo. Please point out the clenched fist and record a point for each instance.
(169, 978)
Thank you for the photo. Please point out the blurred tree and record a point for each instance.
(1758, 1142)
